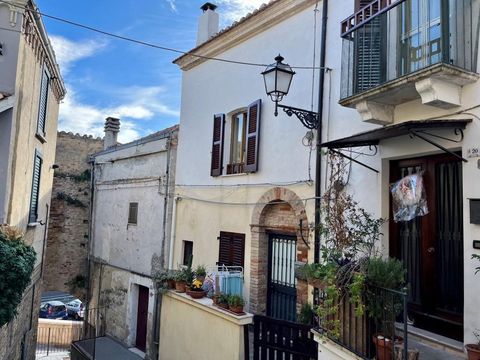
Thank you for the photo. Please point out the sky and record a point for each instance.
(110, 77)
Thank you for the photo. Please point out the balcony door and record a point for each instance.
(420, 34)
(431, 247)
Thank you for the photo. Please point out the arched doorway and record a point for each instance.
(276, 244)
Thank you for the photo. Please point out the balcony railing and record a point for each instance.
(365, 335)
(390, 39)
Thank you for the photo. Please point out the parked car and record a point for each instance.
(53, 310)
(76, 309)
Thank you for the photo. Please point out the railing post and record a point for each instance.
(405, 325)
(48, 341)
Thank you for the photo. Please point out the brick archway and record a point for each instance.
(278, 210)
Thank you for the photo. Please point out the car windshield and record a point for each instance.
(74, 303)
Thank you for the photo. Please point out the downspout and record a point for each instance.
(173, 232)
(318, 165)
(90, 240)
(158, 297)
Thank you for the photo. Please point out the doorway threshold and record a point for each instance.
(421, 337)
(138, 352)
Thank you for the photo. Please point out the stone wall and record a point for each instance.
(19, 336)
(67, 243)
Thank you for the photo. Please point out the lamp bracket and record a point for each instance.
(309, 119)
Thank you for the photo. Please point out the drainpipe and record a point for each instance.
(158, 296)
(90, 241)
(173, 232)
(318, 165)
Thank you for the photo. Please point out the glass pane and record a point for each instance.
(238, 138)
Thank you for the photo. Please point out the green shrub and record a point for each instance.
(16, 267)
(235, 300)
(306, 315)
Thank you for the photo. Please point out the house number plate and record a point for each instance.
(473, 152)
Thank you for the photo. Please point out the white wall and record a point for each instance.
(132, 174)
(214, 87)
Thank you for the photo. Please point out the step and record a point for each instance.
(433, 343)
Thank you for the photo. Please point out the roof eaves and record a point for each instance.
(159, 135)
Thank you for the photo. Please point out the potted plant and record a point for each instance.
(387, 274)
(165, 280)
(473, 350)
(235, 303)
(222, 301)
(196, 291)
(181, 278)
(200, 273)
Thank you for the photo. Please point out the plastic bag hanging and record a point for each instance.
(409, 198)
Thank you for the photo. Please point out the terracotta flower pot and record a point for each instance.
(180, 286)
(195, 294)
(236, 309)
(171, 284)
(384, 346)
(473, 351)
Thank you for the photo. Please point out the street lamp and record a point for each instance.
(278, 77)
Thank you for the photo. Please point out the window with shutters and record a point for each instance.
(187, 251)
(37, 173)
(231, 249)
(237, 143)
(42, 108)
(133, 213)
(243, 126)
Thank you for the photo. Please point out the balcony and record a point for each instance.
(397, 51)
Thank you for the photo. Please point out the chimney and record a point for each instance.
(208, 23)
(112, 128)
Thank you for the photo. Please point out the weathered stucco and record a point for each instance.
(140, 172)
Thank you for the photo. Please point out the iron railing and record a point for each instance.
(375, 333)
(386, 43)
(57, 338)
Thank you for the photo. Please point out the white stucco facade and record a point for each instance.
(207, 205)
(126, 254)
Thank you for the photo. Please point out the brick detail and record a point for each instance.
(282, 213)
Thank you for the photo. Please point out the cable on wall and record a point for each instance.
(147, 44)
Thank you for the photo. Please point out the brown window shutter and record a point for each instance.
(224, 249)
(231, 249)
(217, 144)
(253, 136)
(238, 249)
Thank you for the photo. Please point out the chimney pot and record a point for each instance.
(112, 128)
(208, 23)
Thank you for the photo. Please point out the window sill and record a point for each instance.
(233, 175)
(41, 138)
(33, 224)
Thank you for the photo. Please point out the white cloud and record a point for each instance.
(82, 118)
(67, 51)
(234, 10)
(172, 4)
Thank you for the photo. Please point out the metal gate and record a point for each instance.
(282, 340)
(282, 292)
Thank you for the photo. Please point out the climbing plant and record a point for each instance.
(17, 260)
(70, 200)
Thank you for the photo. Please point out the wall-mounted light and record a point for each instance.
(278, 78)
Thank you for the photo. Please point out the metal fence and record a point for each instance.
(57, 337)
(375, 333)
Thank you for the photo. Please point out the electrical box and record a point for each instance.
(475, 211)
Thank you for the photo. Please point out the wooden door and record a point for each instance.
(142, 317)
(431, 247)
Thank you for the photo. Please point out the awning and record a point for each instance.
(413, 128)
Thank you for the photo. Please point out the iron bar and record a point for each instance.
(431, 142)
(309, 119)
(354, 160)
